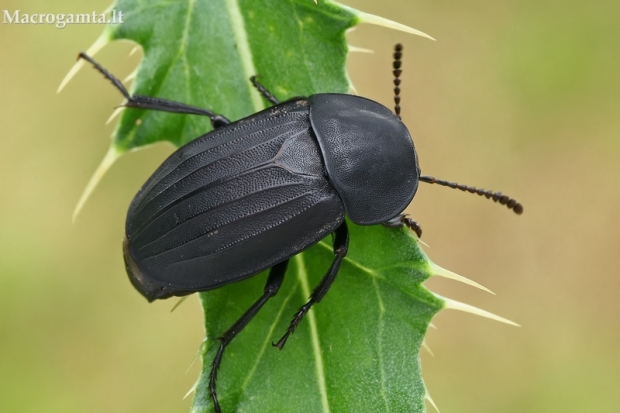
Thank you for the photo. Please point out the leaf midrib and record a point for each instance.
(267, 341)
(243, 46)
(314, 334)
(379, 344)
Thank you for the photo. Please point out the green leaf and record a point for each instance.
(204, 52)
(357, 350)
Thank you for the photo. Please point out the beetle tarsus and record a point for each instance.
(403, 219)
(412, 225)
(276, 276)
(296, 320)
(117, 83)
(263, 91)
(341, 246)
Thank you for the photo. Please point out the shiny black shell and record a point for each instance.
(251, 194)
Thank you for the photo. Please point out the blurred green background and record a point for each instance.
(519, 96)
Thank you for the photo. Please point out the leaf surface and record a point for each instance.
(357, 350)
(204, 52)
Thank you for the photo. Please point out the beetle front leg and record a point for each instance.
(276, 276)
(403, 219)
(341, 246)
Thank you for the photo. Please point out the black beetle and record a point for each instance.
(251, 194)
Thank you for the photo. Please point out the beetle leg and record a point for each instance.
(263, 91)
(153, 103)
(412, 225)
(403, 219)
(276, 276)
(341, 246)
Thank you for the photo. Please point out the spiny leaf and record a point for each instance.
(357, 350)
(204, 52)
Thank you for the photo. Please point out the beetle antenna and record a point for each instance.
(495, 196)
(398, 54)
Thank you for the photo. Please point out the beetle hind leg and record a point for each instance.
(276, 276)
(153, 103)
(341, 246)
